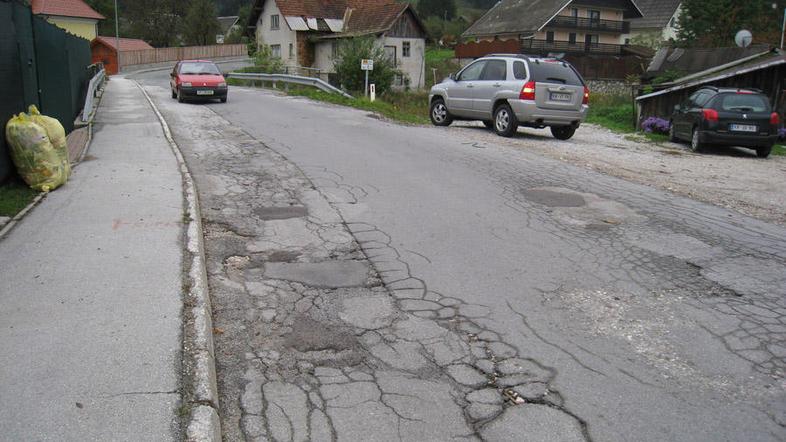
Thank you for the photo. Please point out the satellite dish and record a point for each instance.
(744, 38)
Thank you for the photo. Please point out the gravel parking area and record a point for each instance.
(725, 176)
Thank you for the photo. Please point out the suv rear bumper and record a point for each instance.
(729, 139)
(527, 111)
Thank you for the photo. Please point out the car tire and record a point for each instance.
(439, 113)
(174, 94)
(672, 133)
(180, 98)
(488, 124)
(505, 122)
(763, 152)
(695, 141)
(563, 132)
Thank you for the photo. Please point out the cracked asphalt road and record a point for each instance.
(373, 281)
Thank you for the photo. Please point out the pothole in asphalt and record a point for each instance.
(309, 335)
(287, 212)
(553, 198)
(327, 274)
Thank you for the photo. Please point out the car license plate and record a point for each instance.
(556, 96)
(743, 127)
(204, 92)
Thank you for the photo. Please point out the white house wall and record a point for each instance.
(414, 65)
(283, 36)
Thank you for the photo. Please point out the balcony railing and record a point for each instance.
(530, 46)
(593, 24)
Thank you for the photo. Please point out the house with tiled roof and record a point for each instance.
(558, 26)
(306, 33)
(75, 16)
(659, 23)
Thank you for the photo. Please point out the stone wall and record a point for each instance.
(609, 87)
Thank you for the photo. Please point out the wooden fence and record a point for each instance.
(160, 55)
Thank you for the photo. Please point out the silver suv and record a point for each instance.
(506, 91)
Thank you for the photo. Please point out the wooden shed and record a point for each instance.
(766, 71)
(105, 51)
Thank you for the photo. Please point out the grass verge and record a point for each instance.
(405, 107)
(14, 196)
(779, 150)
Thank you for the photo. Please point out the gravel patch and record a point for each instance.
(729, 177)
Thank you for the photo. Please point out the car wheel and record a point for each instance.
(439, 113)
(505, 122)
(488, 124)
(563, 132)
(763, 152)
(174, 94)
(180, 98)
(695, 142)
(672, 133)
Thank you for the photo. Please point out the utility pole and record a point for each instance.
(117, 38)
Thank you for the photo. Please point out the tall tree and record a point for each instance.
(200, 25)
(155, 21)
(713, 23)
(445, 9)
(107, 9)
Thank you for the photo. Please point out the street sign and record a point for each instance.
(367, 64)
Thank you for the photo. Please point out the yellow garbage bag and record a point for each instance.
(56, 133)
(36, 159)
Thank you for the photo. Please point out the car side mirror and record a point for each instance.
(225, 74)
(452, 76)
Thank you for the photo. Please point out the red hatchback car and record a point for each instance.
(198, 79)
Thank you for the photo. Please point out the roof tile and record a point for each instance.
(65, 8)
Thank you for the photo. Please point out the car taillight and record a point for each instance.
(586, 96)
(528, 91)
(709, 114)
(775, 119)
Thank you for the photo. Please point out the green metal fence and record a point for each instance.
(40, 64)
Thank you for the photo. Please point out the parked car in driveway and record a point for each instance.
(506, 91)
(198, 79)
(727, 116)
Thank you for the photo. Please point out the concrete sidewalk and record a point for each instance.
(90, 293)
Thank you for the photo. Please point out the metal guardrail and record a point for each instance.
(92, 88)
(290, 79)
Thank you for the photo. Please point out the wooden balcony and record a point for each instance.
(542, 47)
(590, 24)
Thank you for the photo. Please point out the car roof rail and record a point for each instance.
(524, 56)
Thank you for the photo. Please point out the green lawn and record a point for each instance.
(779, 150)
(14, 196)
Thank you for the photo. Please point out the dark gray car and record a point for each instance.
(507, 91)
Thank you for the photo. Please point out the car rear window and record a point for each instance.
(196, 68)
(745, 103)
(519, 70)
(554, 72)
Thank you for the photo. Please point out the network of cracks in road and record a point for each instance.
(314, 342)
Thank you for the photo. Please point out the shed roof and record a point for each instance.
(693, 60)
(738, 67)
(657, 14)
(65, 8)
(126, 44)
(529, 16)
(226, 23)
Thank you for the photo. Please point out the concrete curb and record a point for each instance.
(201, 395)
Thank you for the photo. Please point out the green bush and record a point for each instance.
(266, 63)
(350, 52)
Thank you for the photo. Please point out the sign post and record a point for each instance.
(366, 65)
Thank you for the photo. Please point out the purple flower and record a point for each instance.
(655, 125)
(782, 133)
